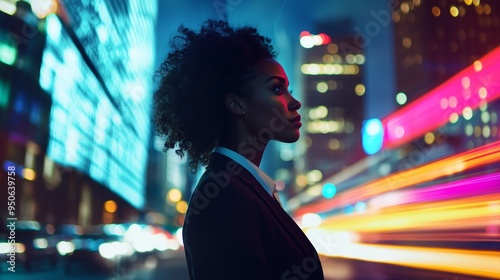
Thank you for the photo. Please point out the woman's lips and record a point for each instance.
(296, 121)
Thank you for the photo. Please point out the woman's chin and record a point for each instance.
(289, 137)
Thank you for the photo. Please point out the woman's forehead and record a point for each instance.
(268, 68)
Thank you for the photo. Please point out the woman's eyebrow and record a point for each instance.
(281, 79)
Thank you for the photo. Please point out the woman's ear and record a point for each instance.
(234, 104)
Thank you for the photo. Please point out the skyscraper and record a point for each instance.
(436, 39)
(333, 96)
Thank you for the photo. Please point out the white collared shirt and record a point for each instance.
(266, 182)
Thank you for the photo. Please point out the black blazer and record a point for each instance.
(235, 230)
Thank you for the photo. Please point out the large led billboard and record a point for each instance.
(93, 128)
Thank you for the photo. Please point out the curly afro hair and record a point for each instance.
(200, 69)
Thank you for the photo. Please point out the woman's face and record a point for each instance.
(271, 112)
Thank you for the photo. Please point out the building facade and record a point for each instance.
(334, 101)
(92, 110)
(434, 40)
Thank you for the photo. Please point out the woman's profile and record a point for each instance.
(222, 97)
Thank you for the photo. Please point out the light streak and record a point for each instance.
(470, 212)
(480, 156)
(469, 262)
(479, 185)
(467, 89)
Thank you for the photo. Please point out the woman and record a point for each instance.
(222, 97)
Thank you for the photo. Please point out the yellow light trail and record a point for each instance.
(465, 235)
(469, 262)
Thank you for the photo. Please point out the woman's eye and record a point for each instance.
(279, 89)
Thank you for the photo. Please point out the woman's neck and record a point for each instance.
(250, 147)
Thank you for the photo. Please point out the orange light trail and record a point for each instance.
(469, 262)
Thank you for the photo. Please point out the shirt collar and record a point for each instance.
(264, 179)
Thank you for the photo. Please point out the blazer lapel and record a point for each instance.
(220, 161)
(283, 218)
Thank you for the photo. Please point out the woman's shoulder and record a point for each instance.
(220, 195)
(222, 172)
(220, 181)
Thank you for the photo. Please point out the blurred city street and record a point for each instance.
(173, 267)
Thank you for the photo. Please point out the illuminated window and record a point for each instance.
(401, 98)
(327, 58)
(485, 117)
(334, 144)
(396, 17)
(482, 92)
(314, 176)
(319, 112)
(461, 11)
(332, 85)
(429, 138)
(405, 8)
(486, 131)
(322, 87)
(360, 89)
(406, 42)
(453, 102)
(360, 59)
(466, 82)
(477, 131)
(493, 117)
(351, 59)
(487, 9)
(436, 11)
(469, 130)
(479, 10)
(467, 113)
(332, 48)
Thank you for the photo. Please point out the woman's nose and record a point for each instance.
(294, 104)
